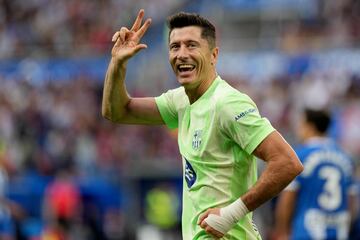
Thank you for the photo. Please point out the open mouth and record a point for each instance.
(183, 68)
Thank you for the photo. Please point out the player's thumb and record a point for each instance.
(203, 216)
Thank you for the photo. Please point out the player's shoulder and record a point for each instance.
(226, 94)
(327, 149)
(177, 92)
(175, 98)
(176, 95)
(344, 154)
(305, 150)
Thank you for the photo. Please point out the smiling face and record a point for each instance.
(191, 58)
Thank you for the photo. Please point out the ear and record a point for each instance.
(214, 55)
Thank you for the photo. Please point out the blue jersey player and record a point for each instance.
(318, 203)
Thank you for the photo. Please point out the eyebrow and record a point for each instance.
(186, 41)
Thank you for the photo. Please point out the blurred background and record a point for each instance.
(67, 173)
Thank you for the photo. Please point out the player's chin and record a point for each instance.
(187, 79)
(187, 82)
(184, 82)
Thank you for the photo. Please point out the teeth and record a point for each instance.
(186, 66)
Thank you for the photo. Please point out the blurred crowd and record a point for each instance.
(41, 28)
(66, 173)
(55, 133)
(335, 25)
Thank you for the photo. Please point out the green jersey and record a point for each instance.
(216, 135)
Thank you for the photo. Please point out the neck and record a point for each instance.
(313, 135)
(194, 93)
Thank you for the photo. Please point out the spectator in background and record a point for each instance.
(318, 204)
(62, 205)
(7, 227)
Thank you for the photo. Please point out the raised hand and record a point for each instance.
(127, 42)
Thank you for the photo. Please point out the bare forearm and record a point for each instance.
(272, 181)
(283, 213)
(115, 96)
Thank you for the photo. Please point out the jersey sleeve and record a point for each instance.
(167, 108)
(241, 121)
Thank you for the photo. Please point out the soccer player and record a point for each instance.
(220, 130)
(317, 204)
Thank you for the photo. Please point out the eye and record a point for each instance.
(192, 45)
(174, 46)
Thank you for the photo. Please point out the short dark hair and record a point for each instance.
(183, 19)
(320, 119)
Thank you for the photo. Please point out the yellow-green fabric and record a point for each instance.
(216, 135)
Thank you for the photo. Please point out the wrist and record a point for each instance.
(118, 63)
(235, 211)
(229, 216)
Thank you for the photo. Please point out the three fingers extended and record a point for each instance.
(136, 32)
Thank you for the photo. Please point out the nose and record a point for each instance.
(182, 52)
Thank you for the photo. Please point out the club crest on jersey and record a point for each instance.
(196, 142)
(190, 174)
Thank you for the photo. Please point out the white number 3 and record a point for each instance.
(330, 198)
